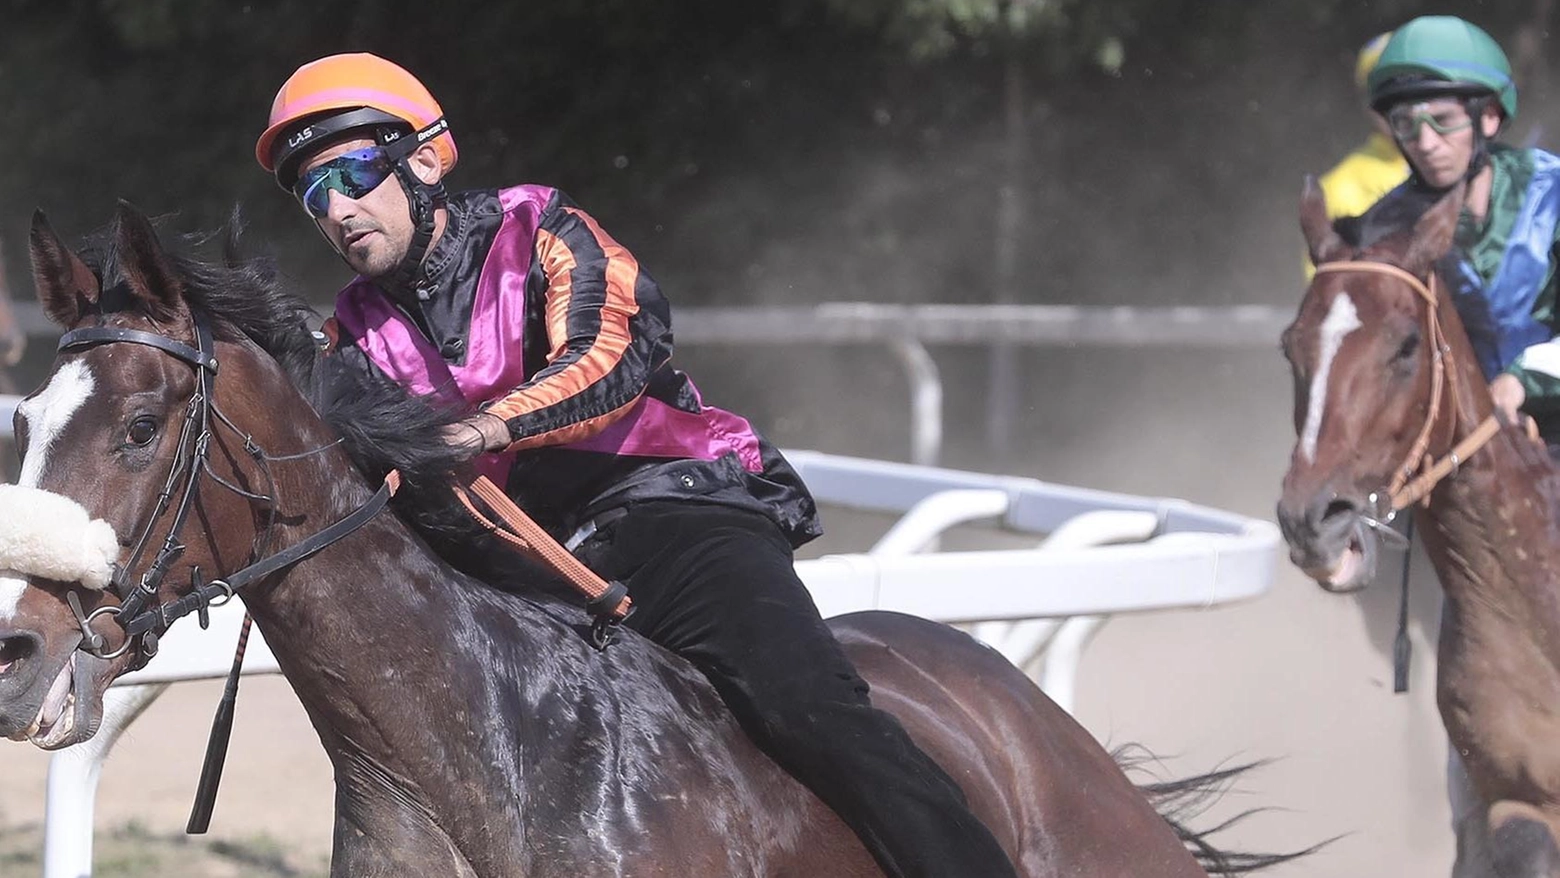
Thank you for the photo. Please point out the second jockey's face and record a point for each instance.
(372, 232)
(1436, 137)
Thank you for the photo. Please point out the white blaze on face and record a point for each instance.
(47, 414)
(1342, 319)
(12, 587)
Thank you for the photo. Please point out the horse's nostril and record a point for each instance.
(1338, 507)
(16, 647)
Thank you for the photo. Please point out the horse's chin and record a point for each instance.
(72, 708)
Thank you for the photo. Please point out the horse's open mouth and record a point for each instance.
(1351, 570)
(58, 716)
(1343, 575)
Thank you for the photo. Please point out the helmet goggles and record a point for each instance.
(1406, 119)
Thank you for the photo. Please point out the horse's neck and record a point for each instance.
(384, 643)
(1488, 527)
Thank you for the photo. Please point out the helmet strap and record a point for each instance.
(1481, 144)
(425, 200)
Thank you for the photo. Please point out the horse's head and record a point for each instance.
(105, 515)
(1366, 351)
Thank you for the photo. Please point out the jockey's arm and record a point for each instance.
(602, 347)
(1538, 366)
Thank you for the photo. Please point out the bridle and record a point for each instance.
(143, 619)
(1414, 479)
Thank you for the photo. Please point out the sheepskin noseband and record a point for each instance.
(51, 536)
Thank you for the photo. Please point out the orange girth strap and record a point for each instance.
(608, 601)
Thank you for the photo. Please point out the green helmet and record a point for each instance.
(1441, 55)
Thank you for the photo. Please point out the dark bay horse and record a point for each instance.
(473, 731)
(1393, 413)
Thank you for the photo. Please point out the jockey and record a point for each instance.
(515, 306)
(1444, 88)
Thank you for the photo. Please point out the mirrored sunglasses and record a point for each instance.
(353, 174)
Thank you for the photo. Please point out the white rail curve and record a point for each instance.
(1094, 553)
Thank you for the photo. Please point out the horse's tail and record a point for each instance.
(1180, 802)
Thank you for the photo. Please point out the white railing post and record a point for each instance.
(926, 400)
(918, 529)
(73, 782)
(186, 653)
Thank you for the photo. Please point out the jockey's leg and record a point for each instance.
(718, 586)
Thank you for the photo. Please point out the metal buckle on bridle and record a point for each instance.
(1381, 523)
(92, 643)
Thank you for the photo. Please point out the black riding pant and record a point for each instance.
(717, 586)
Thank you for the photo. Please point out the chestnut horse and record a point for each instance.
(473, 731)
(1393, 413)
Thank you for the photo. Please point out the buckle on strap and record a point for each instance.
(603, 620)
(593, 526)
(583, 533)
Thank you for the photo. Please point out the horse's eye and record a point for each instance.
(142, 430)
(1408, 347)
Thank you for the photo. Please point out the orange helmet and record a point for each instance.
(365, 91)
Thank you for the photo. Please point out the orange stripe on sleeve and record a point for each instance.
(602, 351)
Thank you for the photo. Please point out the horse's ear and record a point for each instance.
(144, 265)
(66, 287)
(1434, 231)
(1324, 242)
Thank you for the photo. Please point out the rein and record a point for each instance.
(1418, 475)
(609, 603)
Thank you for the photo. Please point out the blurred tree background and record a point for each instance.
(749, 114)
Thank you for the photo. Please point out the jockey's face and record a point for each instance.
(373, 231)
(1436, 137)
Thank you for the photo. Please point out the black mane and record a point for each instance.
(381, 425)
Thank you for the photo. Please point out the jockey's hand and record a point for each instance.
(478, 433)
(1509, 396)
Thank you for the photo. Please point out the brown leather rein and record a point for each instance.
(608, 604)
(1418, 475)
